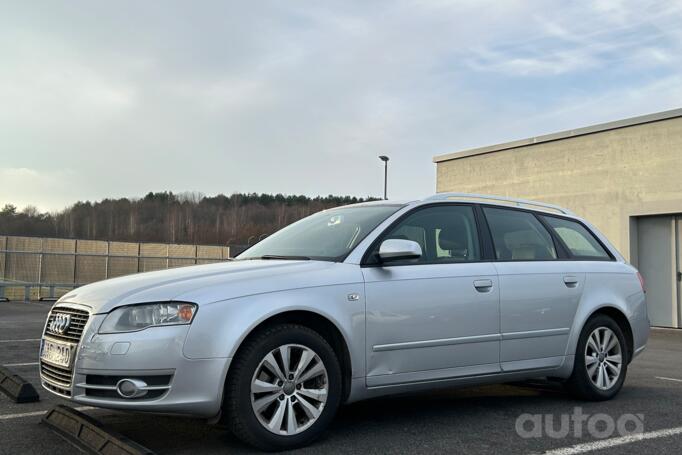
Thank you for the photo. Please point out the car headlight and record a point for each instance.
(137, 317)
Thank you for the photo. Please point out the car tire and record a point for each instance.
(253, 381)
(594, 376)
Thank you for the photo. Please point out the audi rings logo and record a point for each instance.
(60, 324)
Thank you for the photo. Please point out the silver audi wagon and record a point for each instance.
(351, 303)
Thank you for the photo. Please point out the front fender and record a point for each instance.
(220, 327)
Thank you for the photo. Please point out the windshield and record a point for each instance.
(329, 235)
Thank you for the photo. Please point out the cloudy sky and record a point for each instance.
(112, 99)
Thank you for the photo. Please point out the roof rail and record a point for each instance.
(487, 197)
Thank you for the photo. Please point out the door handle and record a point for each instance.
(483, 285)
(571, 281)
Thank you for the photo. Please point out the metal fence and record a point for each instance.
(34, 268)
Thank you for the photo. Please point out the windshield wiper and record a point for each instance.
(289, 258)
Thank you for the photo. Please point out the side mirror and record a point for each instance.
(399, 249)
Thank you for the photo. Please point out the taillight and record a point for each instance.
(641, 282)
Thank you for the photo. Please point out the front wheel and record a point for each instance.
(600, 361)
(284, 388)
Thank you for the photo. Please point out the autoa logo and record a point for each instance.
(60, 324)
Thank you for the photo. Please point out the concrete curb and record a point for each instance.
(16, 387)
(90, 434)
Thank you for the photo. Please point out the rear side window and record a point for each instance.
(577, 238)
(519, 236)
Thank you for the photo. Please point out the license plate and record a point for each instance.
(56, 353)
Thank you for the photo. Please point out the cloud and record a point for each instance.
(126, 97)
(44, 84)
(577, 40)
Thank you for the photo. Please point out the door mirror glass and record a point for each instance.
(399, 249)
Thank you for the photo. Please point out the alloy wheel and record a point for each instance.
(603, 358)
(289, 389)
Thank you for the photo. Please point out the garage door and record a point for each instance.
(659, 240)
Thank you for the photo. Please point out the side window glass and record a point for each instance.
(578, 239)
(446, 233)
(519, 236)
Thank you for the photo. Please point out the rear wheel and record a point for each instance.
(600, 362)
(284, 388)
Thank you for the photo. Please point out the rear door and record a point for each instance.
(539, 290)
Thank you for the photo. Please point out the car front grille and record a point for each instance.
(55, 378)
(78, 320)
(57, 389)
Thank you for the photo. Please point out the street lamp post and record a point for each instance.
(384, 158)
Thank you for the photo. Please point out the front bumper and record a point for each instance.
(180, 385)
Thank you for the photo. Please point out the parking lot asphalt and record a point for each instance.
(473, 420)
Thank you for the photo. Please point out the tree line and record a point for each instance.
(238, 219)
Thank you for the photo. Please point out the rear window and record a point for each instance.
(519, 236)
(577, 238)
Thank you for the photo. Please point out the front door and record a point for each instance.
(436, 317)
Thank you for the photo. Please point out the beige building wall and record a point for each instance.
(607, 174)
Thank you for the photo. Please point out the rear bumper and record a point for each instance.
(638, 351)
(640, 325)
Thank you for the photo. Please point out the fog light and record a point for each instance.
(131, 388)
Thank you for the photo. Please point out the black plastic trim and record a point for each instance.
(561, 250)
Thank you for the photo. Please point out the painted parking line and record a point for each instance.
(24, 414)
(615, 442)
(37, 413)
(20, 364)
(20, 341)
(668, 379)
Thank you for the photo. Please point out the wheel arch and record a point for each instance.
(317, 322)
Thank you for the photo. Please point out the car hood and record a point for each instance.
(204, 284)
